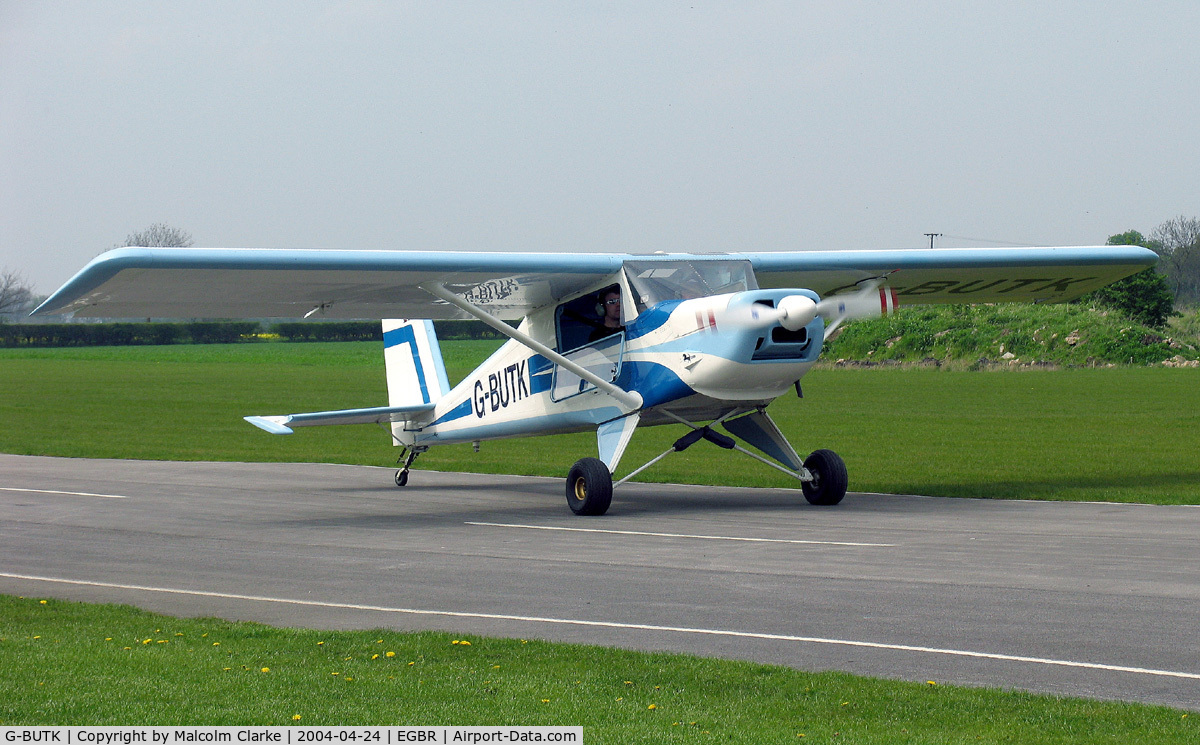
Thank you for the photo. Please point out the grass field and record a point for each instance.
(69, 663)
(1115, 434)
(1128, 434)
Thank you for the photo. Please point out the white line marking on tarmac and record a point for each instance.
(68, 493)
(618, 625)
(683, 535)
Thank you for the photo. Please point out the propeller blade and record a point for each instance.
(872, 302)
(794, 312)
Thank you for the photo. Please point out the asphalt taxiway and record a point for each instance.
(1083, 599)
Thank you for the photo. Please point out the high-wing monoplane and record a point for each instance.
(604, 342)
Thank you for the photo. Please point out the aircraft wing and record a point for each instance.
(957, 275)
(296, 283)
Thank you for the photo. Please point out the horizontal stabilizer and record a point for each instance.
(282, 425)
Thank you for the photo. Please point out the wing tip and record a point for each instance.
(272, 424)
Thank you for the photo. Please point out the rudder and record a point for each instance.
(413, 362)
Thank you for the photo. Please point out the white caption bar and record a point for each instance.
(288, 735)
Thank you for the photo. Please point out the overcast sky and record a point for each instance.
(591, 126)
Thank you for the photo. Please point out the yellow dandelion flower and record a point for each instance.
(126, 649)
(37, 637)
(216, 644)
(147, 641)
(349, 679)
(411, 664)
(465, 644)
(545, 701)
(43, 602)
(454, 642)
(296, 717)
(652, 707)
(320, 644)
(335, 673)
(390, 654)
(266, 669)
(374, 656)
(931, 682)
(379, 642)
(495, 667)
(227, 669)
(108, 638)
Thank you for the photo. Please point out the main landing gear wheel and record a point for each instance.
(829, 482)
(402, 477)
(589, 487)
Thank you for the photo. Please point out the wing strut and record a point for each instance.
(632, 400)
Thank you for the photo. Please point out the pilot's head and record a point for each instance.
(612, 308)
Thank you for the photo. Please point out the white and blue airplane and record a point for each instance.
(605, 342)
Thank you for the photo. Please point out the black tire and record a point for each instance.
(589, 487)
(829, 478)
(402, 477)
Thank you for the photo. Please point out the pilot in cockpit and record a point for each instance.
(610, 312)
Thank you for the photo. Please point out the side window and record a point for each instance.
(588, 318)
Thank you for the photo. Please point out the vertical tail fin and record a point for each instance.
(413, 360)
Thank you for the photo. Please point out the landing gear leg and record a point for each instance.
(408, 457)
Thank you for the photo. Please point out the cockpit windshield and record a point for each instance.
(655, 281)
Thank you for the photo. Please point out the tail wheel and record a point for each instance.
(589, 487)
(829, 481)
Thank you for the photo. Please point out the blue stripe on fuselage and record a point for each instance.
(656, 383)
(541, 374)
(458, 412)
(652, 319)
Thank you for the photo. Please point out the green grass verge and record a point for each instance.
(1127, 434)
(64, 663)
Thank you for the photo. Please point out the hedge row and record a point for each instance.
(130, 334)
(122, 334)
(372, 331)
